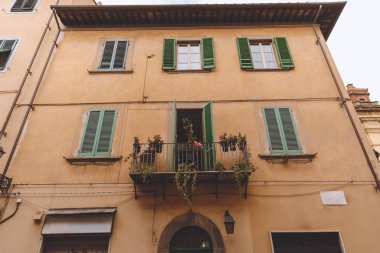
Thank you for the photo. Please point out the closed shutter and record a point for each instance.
(208, 128)
(29, 5)
(6, 48)
(284, 55)
(273, 130)
(120, 54)
(17, 6)
(245, 56)
(90, 132)
(106, 60)
(208, 53)
(106, 133)
(168, 58)
(289, 129)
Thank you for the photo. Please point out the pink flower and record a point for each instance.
(198, 144)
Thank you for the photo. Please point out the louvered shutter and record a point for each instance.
(29, 5)
(106, 60)
(208, 127)
(106, 133)
(120, 54)
(289, 129)
(168, 57)
(284, 55)
(6, 51)
(90, 134)
(208, 53)
(273, 130)
(245, 56)
(17, 6)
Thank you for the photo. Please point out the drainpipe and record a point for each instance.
(344, 104)
(28, 72)
(30, 107)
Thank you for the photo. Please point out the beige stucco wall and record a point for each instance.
(68, 91)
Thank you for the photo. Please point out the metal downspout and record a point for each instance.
(31, 104)
(28, 72)
(344, 104)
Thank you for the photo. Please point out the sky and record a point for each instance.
(353, 42)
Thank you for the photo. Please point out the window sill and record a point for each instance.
(284, 158)
(188, 71)
(97, 71)
(269, 70)
(92, 159)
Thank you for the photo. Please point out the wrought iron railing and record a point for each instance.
(5, 183)
(206, 157)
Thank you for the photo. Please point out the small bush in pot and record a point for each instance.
(223, 141)
(242, 141)
(136, 145)
(232, 140)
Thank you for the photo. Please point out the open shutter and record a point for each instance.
(245, 56)
(90, 133)
(17, 6)
(273, 130)
(121, 52)
(29, 5)
(208, 53)
(208, 129)
(168, 58)
(6, 51)
(107, 56)
(289, 130)
(105, 136)
(284, 55)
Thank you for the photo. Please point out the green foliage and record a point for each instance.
(145, 172)
(186, 181)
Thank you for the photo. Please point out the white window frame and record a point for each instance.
(260, 43)
(307, 231)
(22, 12)
(12, 53)
(188, 44)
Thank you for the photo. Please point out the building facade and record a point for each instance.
(184, 80)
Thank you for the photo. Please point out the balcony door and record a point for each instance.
(185, 152)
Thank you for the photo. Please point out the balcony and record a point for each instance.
(213, 162)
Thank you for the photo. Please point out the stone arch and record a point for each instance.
(191, 219)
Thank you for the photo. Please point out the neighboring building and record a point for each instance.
(120, 72)
(368, 112)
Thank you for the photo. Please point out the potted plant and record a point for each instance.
(223, 141)
(158, 142)
(136, 145)
(242, 141)
(232, 140)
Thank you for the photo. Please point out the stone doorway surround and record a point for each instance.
(191, 219)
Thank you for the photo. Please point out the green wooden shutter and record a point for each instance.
(208, 129)
(106, 60)
(120, 54)
(273, 130)
(245, 56)
(289, 130)
(105, 136)
(284, 55)
(17, 6)
(208, 53)
(168, 57)
(90, 134)
(29, 5)
(6, 51)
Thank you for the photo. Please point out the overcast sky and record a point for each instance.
(353, 42)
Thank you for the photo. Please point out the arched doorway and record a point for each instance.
(174, 238)
(191, 239)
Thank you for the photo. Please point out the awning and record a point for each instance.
(78, 221)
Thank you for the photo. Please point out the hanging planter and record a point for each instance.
(242, 142)
(232, 140)
(136, 145)
(223, 141)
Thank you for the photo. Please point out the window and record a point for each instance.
(98, 133)
(114, 55)
(23, 5)
(311, 242)
(281, 130)
(188, 55)
(6, 48)
(261, 54)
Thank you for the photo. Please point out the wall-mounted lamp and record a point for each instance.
(229, 222)
(1, 152)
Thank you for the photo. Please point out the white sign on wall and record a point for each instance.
(333, 198)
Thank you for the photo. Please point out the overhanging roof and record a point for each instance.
(128, 16)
